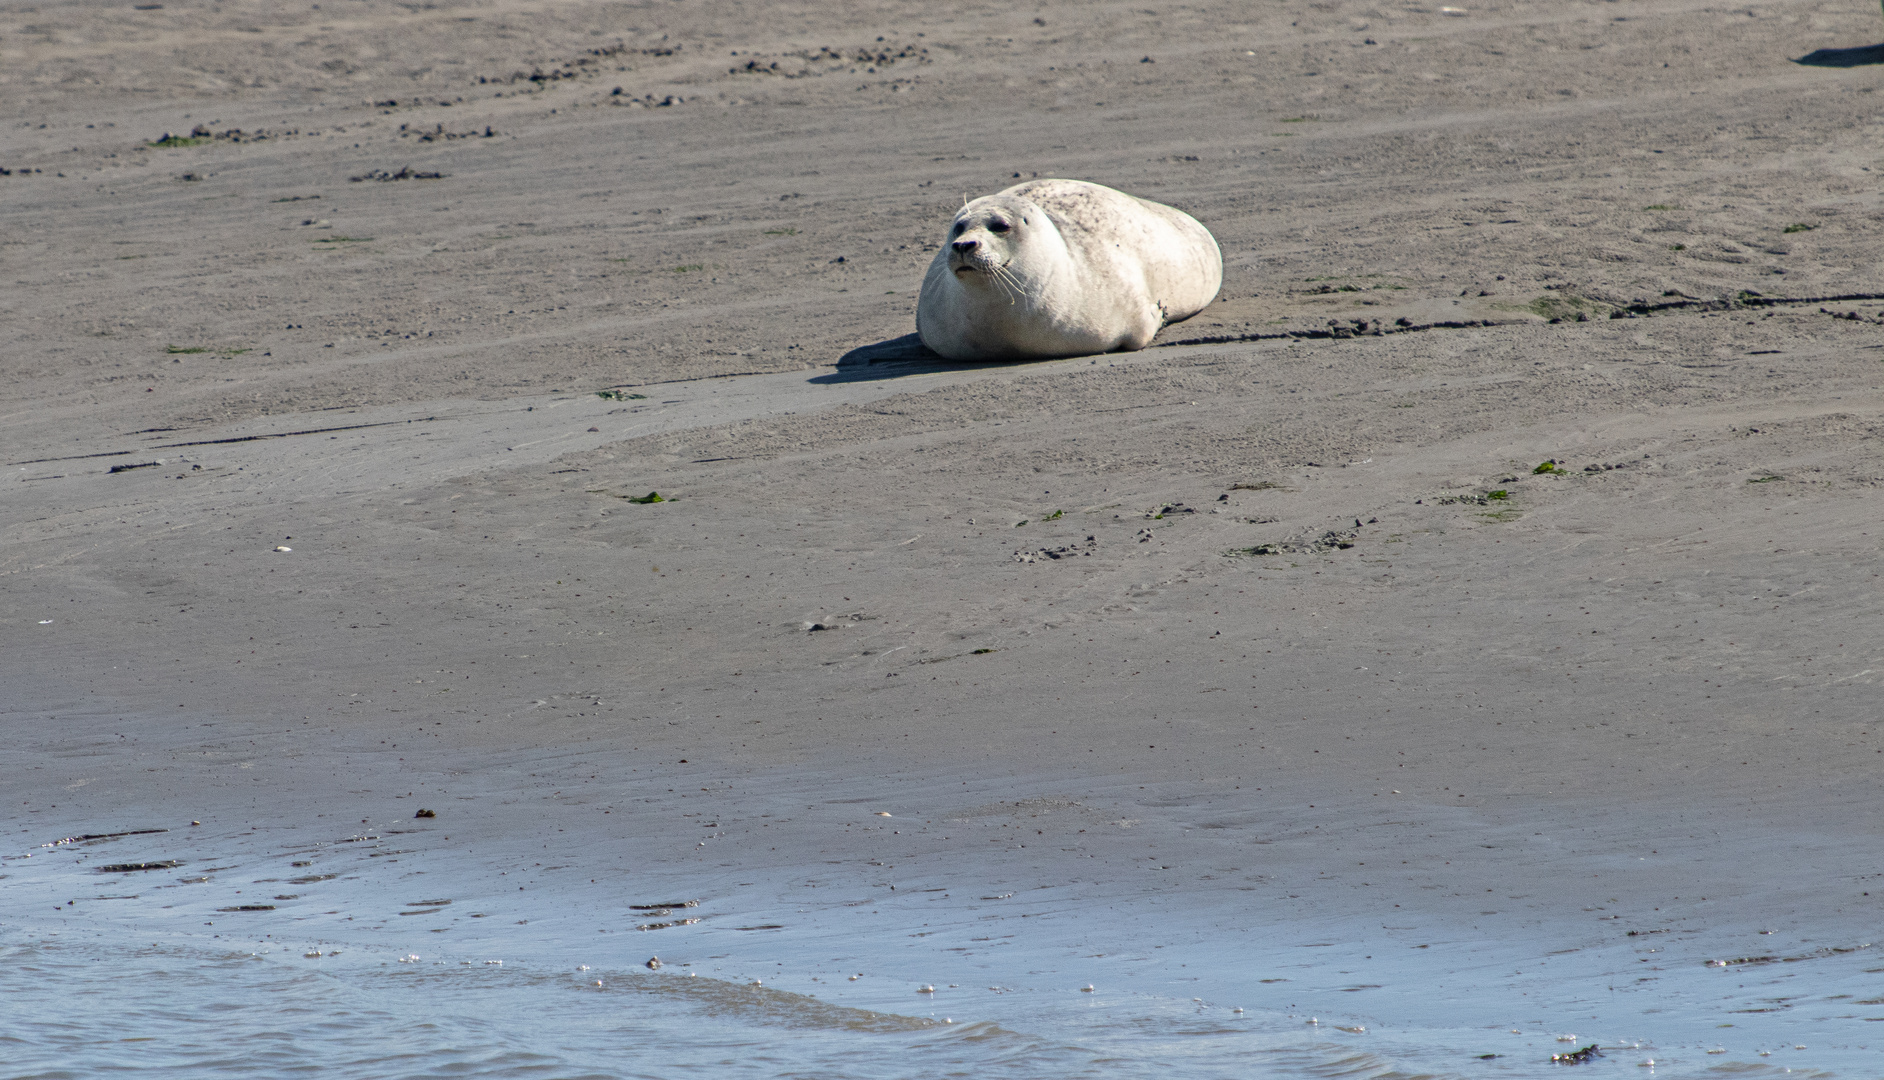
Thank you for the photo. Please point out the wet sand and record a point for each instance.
(1280, 612)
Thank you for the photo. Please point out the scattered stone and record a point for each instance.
(405, 173)
(666, 925)
(1063, 551)
(103, 836)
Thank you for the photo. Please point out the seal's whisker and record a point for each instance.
(993, 273)
(1020, 287)
(1004, 281)
(1005, 277)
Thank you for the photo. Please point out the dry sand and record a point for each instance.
(1259, 566)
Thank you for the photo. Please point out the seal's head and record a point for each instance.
(987, 234)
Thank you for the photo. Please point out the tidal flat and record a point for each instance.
(475, 523)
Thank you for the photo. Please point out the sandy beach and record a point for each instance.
(1462, 633)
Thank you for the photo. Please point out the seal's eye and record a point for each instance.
(960, 227)
(998, 226)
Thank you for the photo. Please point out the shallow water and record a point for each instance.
(149, 972)
(198, 1012)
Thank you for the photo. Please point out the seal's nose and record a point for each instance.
(965, 246)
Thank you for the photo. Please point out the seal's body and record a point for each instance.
(1063, 268)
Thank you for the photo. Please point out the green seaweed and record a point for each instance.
(1546, 468)
(1259, 549)
(650, 497)
(1799, 227)
(1055, 516)
(1567, 307)
(171, 142)
(1498, 494)
(191, 350)
(979, 652)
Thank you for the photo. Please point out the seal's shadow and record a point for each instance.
(899, 358)
(1843, 58)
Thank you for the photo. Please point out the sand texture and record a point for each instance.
(1526, 476)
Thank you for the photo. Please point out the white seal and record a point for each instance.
(1063, 268)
